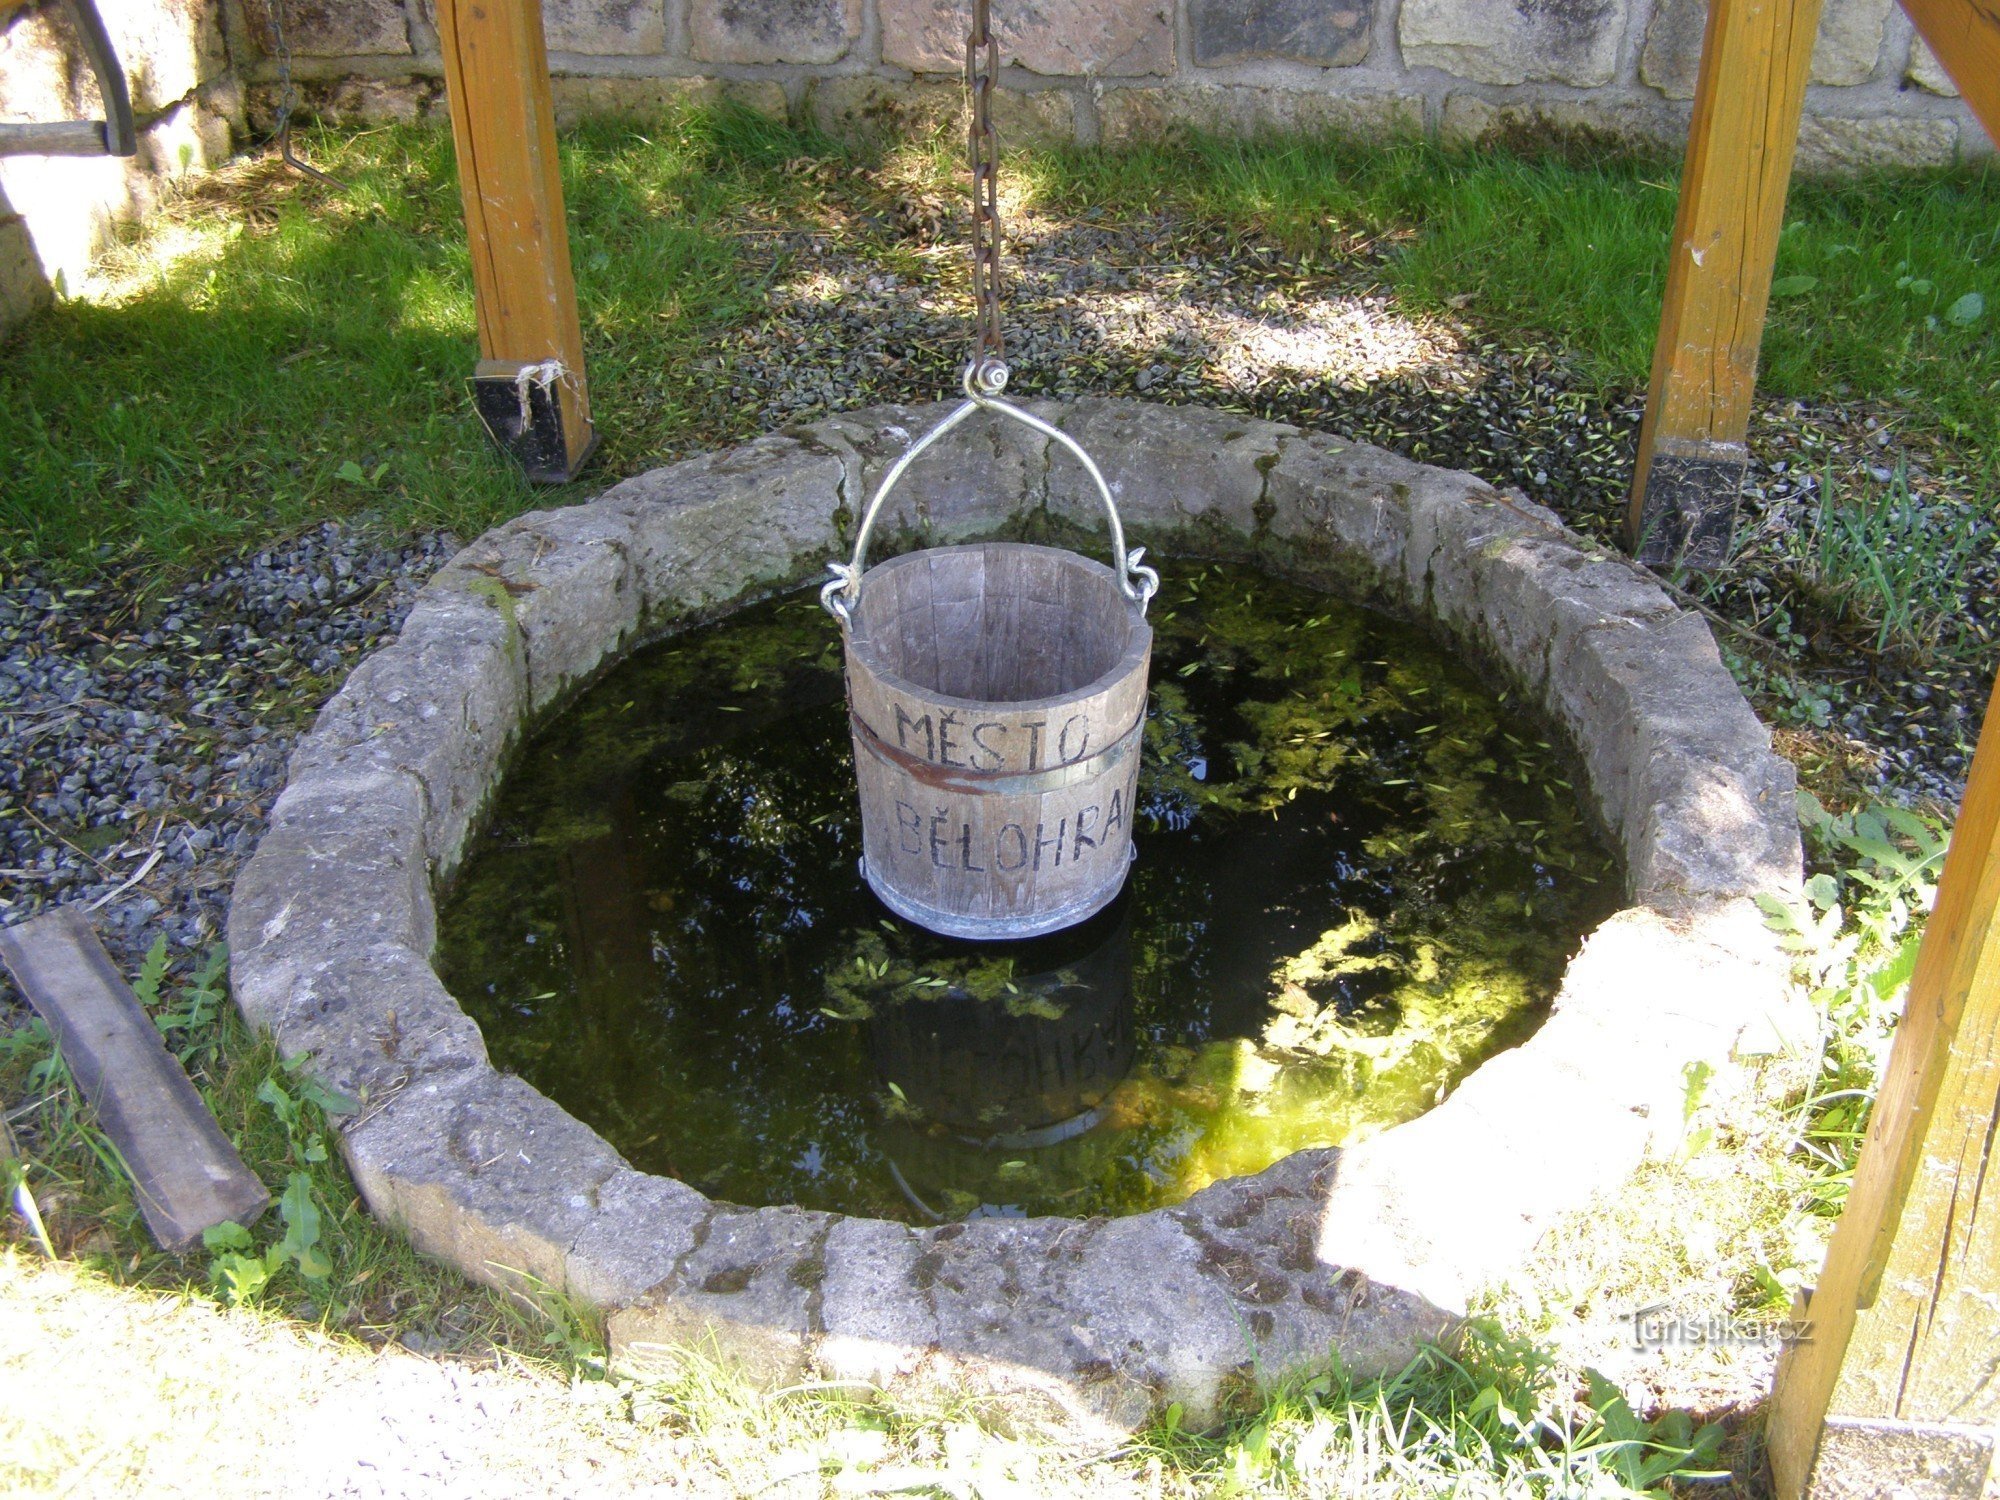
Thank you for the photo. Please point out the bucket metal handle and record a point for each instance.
(984, 380)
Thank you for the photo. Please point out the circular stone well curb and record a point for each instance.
(1368, 1249)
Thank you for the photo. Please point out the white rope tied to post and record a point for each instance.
(545, 376)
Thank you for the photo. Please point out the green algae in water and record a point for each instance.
(1358, 875)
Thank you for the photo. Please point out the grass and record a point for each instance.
(1572, 246)
(346, 1274)
(1892, 561)
(266, 354)
(1544, 1396)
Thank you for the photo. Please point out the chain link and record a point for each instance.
(982, 70)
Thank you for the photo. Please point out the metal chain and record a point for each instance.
(988, 370)
(288, 101)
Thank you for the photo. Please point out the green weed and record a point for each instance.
(319, 1254)
(1855, 935)
(1891, 562)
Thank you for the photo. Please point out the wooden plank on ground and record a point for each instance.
(496, 73)
(186, 1174)
(1755, 59)
(1965, 35)
(1895, 1384)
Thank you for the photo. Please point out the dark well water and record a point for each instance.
(1358, 875)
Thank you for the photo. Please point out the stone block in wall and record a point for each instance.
(1515, 41)
(330, 28)
(1833, 145)
(1844, 52)
(866, 108)
(605, 28)
(39, 68)
(1926, 72)
(1330, 33)
(169, 49)
(1059, 38)
(580, 97)
(1469, 120)
(352, 101)
(1132, 116)
(773, 31)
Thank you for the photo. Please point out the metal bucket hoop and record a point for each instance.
(997, 698)
(983, 383)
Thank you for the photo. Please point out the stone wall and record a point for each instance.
(1117, 71)
(57, 212)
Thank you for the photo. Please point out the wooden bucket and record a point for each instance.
(997, 695)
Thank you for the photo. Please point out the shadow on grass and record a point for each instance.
(268, 354)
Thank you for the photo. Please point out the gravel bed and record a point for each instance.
(141, 744)
(1153, 306)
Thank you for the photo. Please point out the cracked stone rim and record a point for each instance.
(1369, 1248)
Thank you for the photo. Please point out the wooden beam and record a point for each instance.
(1965, 35)
(1755, 59)
(496, 72)
(1895, 1379)
(185, 1173)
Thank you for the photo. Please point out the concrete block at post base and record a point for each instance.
(1328, 35)
(1927, 73)
(1057, 38)
(773, 31)
(1515, 41)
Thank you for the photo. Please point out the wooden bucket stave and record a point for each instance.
(997, 695)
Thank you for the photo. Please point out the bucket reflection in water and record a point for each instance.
(995, 1054)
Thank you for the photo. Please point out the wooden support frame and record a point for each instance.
(1755, 59)
(1965, 35)
(1893, 1386)
(529, 386)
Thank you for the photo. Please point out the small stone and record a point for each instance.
(1309, 31)
(1515, 41)
(774, 31)
(1926, 72)
(1059, 38)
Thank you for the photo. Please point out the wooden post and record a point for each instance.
(1893, 1390)
(530, 381)
(186, 1175)
(1755, 58)
(1965, 35)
